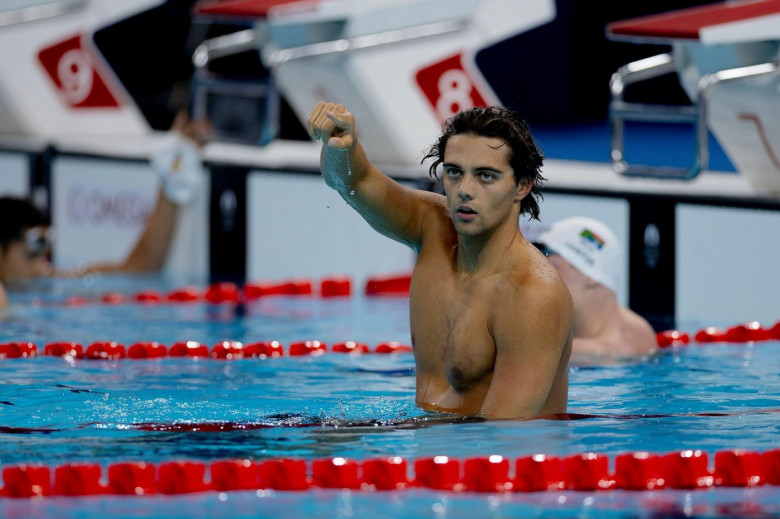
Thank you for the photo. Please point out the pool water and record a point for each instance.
(55, 410)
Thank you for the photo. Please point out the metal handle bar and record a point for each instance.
(696, 115)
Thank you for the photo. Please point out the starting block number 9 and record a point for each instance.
(74, 74)
(74, 70)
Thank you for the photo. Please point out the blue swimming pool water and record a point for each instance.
(54, 411)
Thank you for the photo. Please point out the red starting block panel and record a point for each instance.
(725, 22)
(239, 8)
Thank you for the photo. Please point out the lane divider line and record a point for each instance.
(640, 471)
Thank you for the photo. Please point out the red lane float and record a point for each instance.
(745, 333)
(228, 350)
(688, 469)
(739, 468)
(538, 473)
(283, 474)
(223, 293)
(78, 479)
(64, 349)
(640, 471)
(16, 350)
(336, 473)
(488, 474)
(181, 477)
(234, 475)
(393, 347)
(389, 286)
(106, 350)
(307, 348)
(588, 472)
(183, 295)
(112, 298)
(148, 297)
(438, 472)
(294, 287)
(264, 349)
(672, 338)
(147, 350)
(223, 350)
(748, 332)
(336, 287)
(742, 333)
(26, 481)
(385, 473)
(188, 349)
(350, 347)
(131, 478)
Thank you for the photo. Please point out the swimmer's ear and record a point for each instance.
(523, 188)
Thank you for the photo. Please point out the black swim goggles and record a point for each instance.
(39, 241)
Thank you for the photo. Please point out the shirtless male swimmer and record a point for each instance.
(491, 319)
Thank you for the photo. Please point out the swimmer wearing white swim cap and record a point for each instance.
(491, 319)
(588, 256)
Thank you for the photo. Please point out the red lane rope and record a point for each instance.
(226, 293)
(685, 469)
(223, 350)
(749, 332)
(744, 333)
(231, 294)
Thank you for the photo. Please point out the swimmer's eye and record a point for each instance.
(486, 177)
(452, 172)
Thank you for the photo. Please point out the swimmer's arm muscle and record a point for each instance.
(531, 341)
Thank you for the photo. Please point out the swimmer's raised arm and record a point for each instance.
(390, 208)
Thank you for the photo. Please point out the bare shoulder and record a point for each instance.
(435, 202)
(535, 287)
(640, 334)
(533, 279)
(435, 215)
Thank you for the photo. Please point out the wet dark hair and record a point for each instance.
(525, 158)
(17, 215)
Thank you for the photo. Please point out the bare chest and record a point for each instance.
(450, 324)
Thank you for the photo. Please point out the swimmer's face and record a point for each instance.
(480, 184)
(26, 257)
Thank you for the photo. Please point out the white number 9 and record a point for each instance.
(74, 71)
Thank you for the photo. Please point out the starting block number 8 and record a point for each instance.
(448, 87)
(454, 93)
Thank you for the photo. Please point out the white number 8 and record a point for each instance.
(74, 71)
(454, 93)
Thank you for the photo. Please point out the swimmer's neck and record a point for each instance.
(486, 253)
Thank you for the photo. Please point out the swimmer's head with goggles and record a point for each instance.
(26, 254)
(39, 241)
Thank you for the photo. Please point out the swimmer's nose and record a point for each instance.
(465, 188)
